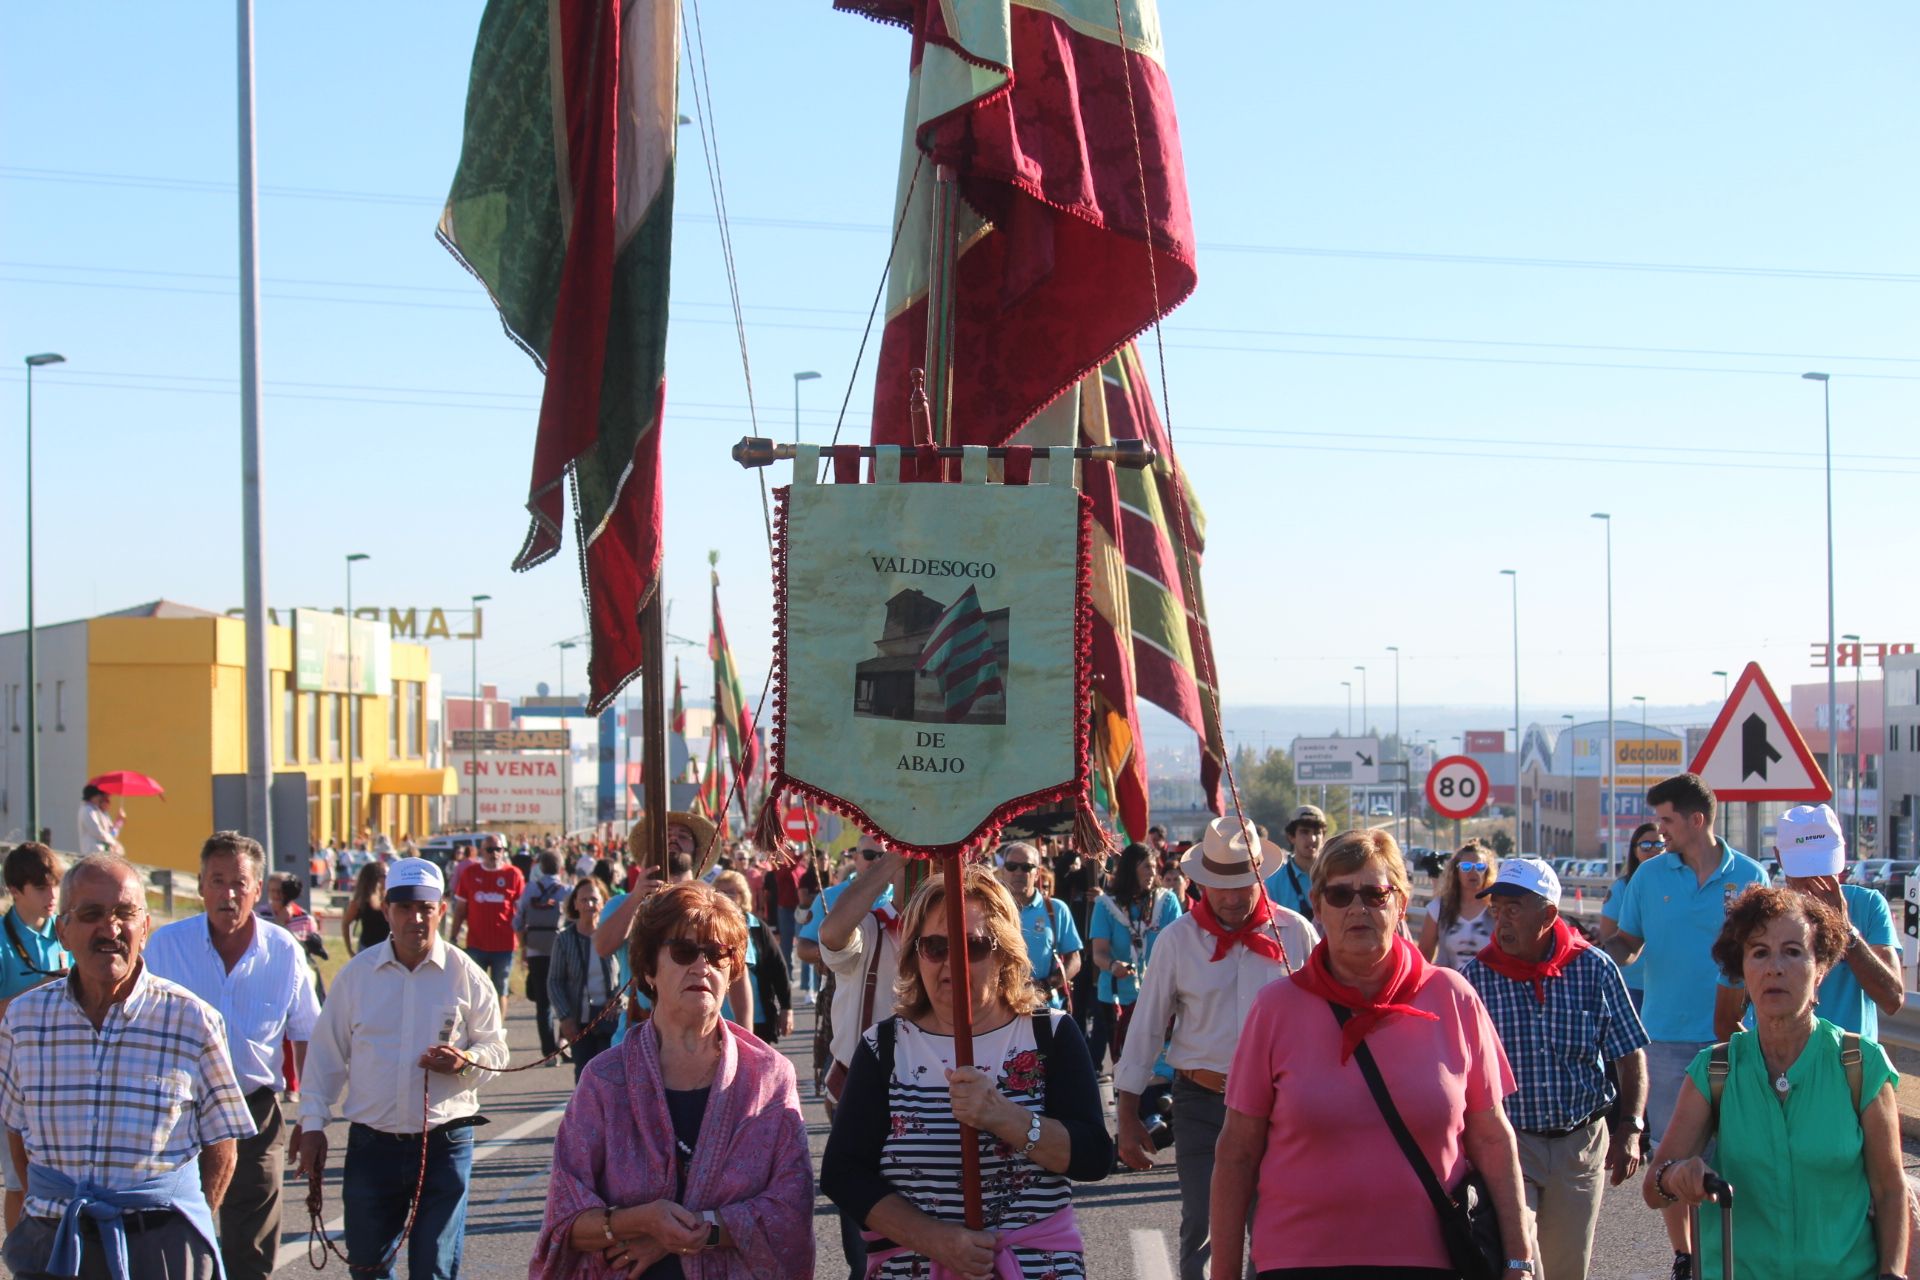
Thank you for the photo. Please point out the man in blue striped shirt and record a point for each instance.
(1563, 1013)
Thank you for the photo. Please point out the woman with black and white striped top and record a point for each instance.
(893, 1160)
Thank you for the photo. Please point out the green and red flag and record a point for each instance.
(677, 721)
(959, 654)
(1057, 118)
(731, 714)
(562, 206)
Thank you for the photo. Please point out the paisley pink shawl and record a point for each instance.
(615, 1147)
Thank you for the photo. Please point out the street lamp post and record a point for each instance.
(1833, 739)
(473, 714)
(1641, 698)
(353, 705)
(563, 646)
(1400, 749)
(1725, 692)
(33, 641)
(1366, 721)
(1612, 815)
(1573, 795)
(1859, 757)
(798, 378)
(1348, 686)
(1514, 574)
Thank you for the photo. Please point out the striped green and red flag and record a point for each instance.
(677, 720)
(710, 800)
(1057, 118)
(959, 654)
(562, 206)
(731, 713)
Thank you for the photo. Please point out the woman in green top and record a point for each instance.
(1807, 1164)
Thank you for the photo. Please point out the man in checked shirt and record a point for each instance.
(1562, 1011)
(119, 1099)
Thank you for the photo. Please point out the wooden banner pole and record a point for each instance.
(963, 1029)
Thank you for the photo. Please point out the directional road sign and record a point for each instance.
(1753, 752)
(1342, 762)
(1457, 787)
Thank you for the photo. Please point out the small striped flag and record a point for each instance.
(959, 654)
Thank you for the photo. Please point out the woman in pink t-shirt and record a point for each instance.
(1336, 1191)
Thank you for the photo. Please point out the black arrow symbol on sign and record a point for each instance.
(1756, 753)
(1365, 759)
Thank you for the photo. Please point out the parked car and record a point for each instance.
(444, 850)
(1562, 867)
(1894, 882)
(1869, 872)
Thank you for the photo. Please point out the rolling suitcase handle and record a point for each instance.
(1718, 1189)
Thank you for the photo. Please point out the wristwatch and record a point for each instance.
(713, 1228)
(1634, 1124)
(1033, 1136)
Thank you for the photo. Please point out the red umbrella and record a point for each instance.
(124, 782)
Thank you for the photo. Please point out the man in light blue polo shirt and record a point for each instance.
(1669, 914)
(1290, 884)
(1868, 981)
(1053, 940)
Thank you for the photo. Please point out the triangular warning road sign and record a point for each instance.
(1753, 752)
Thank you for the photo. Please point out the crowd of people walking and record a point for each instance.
(1351, 1087)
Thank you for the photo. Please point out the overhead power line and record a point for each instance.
(83, 177)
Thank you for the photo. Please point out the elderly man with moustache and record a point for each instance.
(1563, 1013)
(119, 1099)
(1207, 967)
(409, 1004)
(256, 976)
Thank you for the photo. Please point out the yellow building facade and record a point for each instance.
(166, 696)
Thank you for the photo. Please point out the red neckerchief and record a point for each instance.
(1566, 945)
(1252, 935)
(1408, 974)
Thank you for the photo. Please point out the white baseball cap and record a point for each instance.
(1525, 875)
(415, 880)
(1809, 841)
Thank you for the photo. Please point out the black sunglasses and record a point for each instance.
(1341, 896)
(1651, 844)
(1018, 868)
(933, 948)
(870, 855)
(684, 953)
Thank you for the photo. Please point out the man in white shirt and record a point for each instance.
(98, 833)
(256, 977)
(408, 1004)
(1207, 967)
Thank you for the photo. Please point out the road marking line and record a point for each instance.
(294, 1245)
(1150, 1260)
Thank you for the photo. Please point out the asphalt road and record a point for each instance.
(1130, 1220)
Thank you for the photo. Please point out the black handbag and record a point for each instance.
(1468, 1223)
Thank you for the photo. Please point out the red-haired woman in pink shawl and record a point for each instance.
(683, 1155)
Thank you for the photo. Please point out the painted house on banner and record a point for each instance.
(893, 686)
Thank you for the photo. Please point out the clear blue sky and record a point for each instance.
(1374, 437)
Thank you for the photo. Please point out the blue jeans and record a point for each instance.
(378, 1185)
(498, 964)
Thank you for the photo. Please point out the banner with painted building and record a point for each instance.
(932, 645)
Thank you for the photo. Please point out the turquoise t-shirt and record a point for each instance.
(1292, 888)
(753, 975)
(1050, 931)
(1678, 917)
(1635, 976)
(1120, 927)
(1798, 1166)
(28, 956)
(621, 973)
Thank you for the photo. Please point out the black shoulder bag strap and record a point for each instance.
(20, 949)
(1442, 1202)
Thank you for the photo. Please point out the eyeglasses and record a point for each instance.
(1341, 896)
(1651, 844)
(870, 855)
(1470, 866)
(933, 948)
(685, 953)
(91, 916)
(1018, 868)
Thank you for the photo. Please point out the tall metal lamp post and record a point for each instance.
(1859, 757)
(473, 713)
(1612, 815)
(1573, 794)
(1514, 575)
(798, 378)
(563, 646)
(1400, 749)
(39, 361)
(353, 708)
(1833, 739)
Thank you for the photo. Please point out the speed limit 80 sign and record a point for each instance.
(1457, 787)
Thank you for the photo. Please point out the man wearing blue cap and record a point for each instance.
(408, 1004)
(1564, 1016)
(1813, 856)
